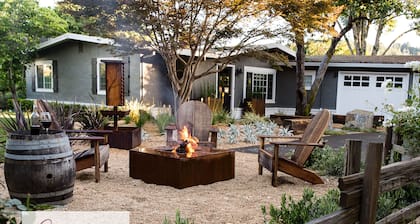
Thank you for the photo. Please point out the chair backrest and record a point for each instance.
(312, 134)
(196, 116)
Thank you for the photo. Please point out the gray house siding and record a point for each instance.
(75, 64)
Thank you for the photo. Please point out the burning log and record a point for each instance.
(188, 144)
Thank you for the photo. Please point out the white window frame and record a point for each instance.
(416, 83)
(44, 63)
(100, 91)
(265, 71)
(312, 74)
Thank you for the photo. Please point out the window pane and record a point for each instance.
(102, 76)
(307, 79)
(380, 79)
(347, 83)
(398, 79)
(40, 76)
(356, 77)
(356, 83)
(347, 77)
(270, 87)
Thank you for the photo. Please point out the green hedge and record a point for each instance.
(25, 104)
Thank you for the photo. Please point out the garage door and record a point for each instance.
(364, 90)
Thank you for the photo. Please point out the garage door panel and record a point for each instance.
(366, 91)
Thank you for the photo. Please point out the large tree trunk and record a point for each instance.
(301, 97)
(379, 31)
(320, 73)
(360, 33)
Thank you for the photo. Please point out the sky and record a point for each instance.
(402, 25)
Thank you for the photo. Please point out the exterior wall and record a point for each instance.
(75, 62)
(155, 84)
(74, 68)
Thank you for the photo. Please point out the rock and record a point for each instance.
(359, 119)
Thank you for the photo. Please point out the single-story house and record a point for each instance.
(70, 68)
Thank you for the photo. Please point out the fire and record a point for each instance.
(189, 143)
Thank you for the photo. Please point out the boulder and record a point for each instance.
(359, 119)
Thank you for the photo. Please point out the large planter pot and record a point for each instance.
(41, 167)
(125, 137)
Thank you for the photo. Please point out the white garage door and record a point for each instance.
(363, 90)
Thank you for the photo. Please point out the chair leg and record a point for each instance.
(106, 167)
(260, 169)
(275, 166)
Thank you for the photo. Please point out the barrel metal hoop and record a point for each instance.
(38, 157)
(40, 145)
(42, 195)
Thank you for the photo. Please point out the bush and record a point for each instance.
(327, 161)
(25, 104)
(308, 208)
(251, 118)
(222, 117)
(162, 120)
(397, 199)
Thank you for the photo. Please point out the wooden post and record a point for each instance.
(353, 156)
(370, 188)
(388, 145)
(260, 167)
(115, 118)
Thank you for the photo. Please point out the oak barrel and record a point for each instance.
(40, 166)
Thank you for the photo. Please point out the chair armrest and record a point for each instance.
(299, 143)
(279, 137)
(90, 131)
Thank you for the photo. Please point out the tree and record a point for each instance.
(304, 17)
(200, 27)
(22, 24)
(382, 14)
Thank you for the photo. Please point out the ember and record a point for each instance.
(188, 144)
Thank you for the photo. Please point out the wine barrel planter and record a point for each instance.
(40, 166)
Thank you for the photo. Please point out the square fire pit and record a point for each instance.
(163, 167)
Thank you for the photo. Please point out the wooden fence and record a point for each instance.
(359, 192)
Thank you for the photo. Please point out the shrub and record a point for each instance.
(90, 117)
(397, 199)
(25, 104)
(251, 118)
(162, 120)
(327, 161)
(222, 117)
(308, 208)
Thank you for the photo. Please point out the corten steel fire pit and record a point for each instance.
(163, 167)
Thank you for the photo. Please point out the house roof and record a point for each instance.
(395, 61)
(77, 37)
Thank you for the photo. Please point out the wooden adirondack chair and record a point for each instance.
(196, 116)
(304, 146)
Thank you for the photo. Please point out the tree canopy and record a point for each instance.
(22, 24)
(197, 28)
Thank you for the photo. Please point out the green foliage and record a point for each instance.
(9, 124)
(397, 199)
(308, 208)
(233, 134)
(25, 104)
(222, 117)
(22, 24)
(90, 117)
(65, 113)
(162, 120)
(406, 121)
(144, 116)
(178, 219)
(8, 209)
(251, 118)
(327, 161)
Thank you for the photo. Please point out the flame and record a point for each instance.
(190, 141)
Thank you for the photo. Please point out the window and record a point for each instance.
(260, 82)
(356, 80)
(44, 76)
(101, 74)
(392, 81)
(309, 78)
